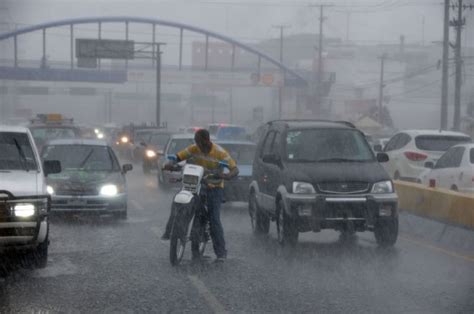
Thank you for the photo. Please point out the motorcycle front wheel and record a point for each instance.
(178, 238)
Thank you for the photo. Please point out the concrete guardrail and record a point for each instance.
(439, 204)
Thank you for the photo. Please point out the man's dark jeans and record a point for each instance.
(214, 202)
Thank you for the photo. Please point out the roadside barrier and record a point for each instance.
(440, 204)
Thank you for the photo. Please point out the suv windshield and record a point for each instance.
(439, 143)
(16, 152)
(82, 157)
(327, 145)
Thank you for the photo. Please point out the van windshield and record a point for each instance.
(16, 152)
(327, 145)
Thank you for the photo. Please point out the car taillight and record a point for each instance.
(413, 156)
(432, 183)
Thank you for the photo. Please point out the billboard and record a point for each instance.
(104, 49)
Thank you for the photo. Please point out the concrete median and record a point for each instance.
(440, 204)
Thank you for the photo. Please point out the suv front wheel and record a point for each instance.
(287, 229)
(260, 221)
(386, 232)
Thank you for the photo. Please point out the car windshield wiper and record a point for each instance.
(24, 162)
(81, 165)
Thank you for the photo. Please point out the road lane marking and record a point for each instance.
(438, 249)
(211, 300)
(429, 246)
(137, 205)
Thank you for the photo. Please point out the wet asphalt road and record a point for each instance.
(104, 266)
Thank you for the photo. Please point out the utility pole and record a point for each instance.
(320, 52)
(158, 82)
(444, 87)
(458, 24)
(381, 87)
(280, 88)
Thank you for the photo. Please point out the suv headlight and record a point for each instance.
(383, 187)
(109, 190)
(303, 188)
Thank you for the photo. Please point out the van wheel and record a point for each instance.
(287, 230)
(260, 221)
(386, 232)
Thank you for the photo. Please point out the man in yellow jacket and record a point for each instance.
(208, 155)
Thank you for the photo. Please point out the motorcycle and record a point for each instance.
(190, 221)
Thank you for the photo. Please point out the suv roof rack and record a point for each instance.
(346, 123)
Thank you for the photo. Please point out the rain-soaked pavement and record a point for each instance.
(103, 266)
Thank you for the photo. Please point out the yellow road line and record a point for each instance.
(211, 300)
(438, 249)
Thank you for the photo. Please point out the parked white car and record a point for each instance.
(409, 150)
(24, 201)
(453, 171)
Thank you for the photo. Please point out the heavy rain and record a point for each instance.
(236, 156)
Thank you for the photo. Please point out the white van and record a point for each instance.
(24, 201)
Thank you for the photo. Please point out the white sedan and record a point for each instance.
(409, 150)
(454, 170)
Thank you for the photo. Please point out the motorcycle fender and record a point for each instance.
(183, 197)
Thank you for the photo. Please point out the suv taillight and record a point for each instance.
(413, 156)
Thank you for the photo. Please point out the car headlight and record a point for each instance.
(383, 187)
(303, 188)
(124, 139)
(109, 190)
(24, 210)
(100, 135)
(50, 190)
(150, 153)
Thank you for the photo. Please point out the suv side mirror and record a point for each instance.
(382, 157)
(271, 159)
(378, 148)
(127, 167)
(51, 167)
(429, 164)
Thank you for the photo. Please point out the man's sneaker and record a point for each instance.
(219, 260)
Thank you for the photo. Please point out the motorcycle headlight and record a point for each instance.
(150, 153)
(50, 190)
(303, 188)
(109, 190)
(24, 210)
(383, 187)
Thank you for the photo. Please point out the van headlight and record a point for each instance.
(383, 187)
(24, 210)
(303, 188)
(109, 190)
(50, 190)
(150, 153)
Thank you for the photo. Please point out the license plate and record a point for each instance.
(76, 201)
